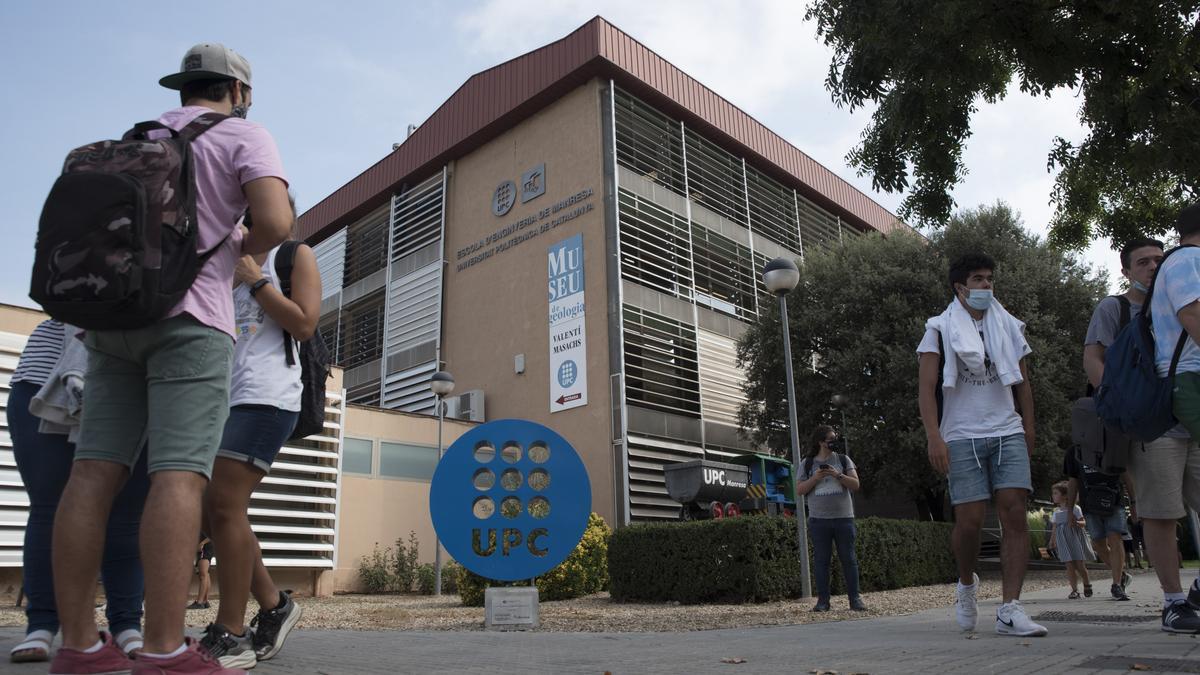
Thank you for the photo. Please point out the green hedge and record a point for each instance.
(749, 559)
(753, 559)
(584, 572)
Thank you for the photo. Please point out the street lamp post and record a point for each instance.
(841, 402)
(780, 276)
(441, 384)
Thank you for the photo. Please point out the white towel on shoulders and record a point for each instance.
(1006, 344)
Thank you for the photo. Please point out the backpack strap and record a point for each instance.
(285, 262)
(201, 124)
(1126, 311)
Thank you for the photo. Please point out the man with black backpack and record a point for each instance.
(1167, 470)
(1097, 482)
(159, 353)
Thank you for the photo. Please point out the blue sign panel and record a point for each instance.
(510, 500)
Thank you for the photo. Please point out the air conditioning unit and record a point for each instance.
(466, 406)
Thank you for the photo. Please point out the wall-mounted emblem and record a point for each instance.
(533, 183)
(504, 198)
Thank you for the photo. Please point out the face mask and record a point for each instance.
(979, 298)
(241, 109)
(1139, 286)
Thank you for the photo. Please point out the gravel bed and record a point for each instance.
(598, 613)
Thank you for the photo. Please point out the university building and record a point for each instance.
(578, 236)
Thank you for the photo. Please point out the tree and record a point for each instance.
(928, 64)
(861, 309)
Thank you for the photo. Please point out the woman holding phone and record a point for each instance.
(828, 477)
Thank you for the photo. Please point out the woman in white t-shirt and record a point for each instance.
(264, 400)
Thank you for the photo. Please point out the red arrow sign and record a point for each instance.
(567, 399)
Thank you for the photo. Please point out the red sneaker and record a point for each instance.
(110, 660)
(194, 660)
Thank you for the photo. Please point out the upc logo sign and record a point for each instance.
(510, 500)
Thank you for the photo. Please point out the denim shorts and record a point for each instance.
(980, 466)
(255, 433)
(1099, 527)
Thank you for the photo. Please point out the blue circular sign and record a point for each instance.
(510, 500)
(568, 372)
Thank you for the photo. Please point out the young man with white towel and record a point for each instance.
(982, 434)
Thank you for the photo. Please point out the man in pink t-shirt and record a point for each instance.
(165, 387)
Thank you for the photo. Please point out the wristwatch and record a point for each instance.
(254, 288)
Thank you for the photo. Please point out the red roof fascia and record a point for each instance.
(496, 99)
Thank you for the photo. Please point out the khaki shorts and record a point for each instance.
(1185, 402)
(166, 384)
(1166, 475)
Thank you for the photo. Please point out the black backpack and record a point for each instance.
(116, 241)
(1100, 493)
(314, 355)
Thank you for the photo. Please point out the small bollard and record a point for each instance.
(510, 608)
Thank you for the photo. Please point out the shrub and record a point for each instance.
(426, 578)
(405, 563)
(376, 570)
(899, 554)
(1038, 536)
(750, 559)
(753, 559)
(584, 572)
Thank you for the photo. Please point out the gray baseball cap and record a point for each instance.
(209, 61)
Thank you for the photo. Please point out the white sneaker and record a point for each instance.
(1011, 619)
(966, 608)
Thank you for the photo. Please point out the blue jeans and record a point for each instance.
(44, 461)
(825, 533)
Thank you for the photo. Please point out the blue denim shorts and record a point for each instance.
(980, 466)
(255, 433)
(1099, 527)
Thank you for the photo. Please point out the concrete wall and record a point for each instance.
(498, 308)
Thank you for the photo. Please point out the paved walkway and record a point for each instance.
(1094, 635)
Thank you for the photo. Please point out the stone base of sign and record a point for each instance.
(510, 608)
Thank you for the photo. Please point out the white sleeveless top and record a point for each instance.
(261, 375)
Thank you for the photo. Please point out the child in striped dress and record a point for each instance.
(1067, 537)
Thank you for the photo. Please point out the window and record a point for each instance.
(362, 331)
(399, 460)
(661, 367)
(357, 454)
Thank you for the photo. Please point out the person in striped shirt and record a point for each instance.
(44, 462)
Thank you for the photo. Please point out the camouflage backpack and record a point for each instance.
(116, 242)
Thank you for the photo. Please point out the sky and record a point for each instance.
(338, 83)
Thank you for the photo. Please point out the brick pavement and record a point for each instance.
(1094, 635)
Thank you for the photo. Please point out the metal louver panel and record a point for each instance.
(648, 142)
(14, 503)
(715, 178)
(408, 390)
(331, 261)
(414, 309)
(417, 218)
(654, 246)
(772, 209)
(366, 247)
(648, 498)
(295, 510)
(661, 371)
(720, 379)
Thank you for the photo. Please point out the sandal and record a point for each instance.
(35, 648)
(1073, 596)
(1087, 590)
(130, 641)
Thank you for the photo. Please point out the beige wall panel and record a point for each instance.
(20, 320)
(498, 308)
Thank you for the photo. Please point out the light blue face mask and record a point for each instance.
(1139, 286)
(979, 298)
